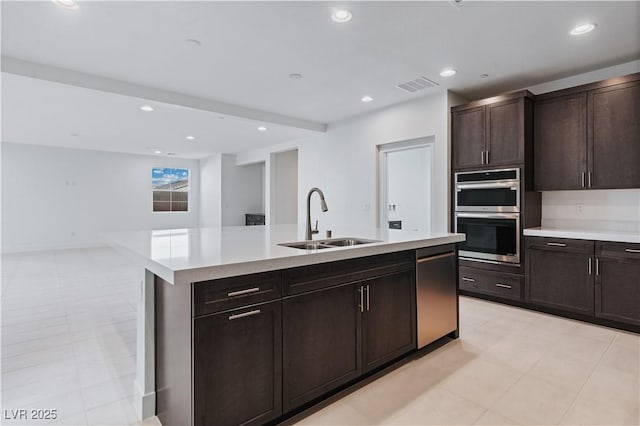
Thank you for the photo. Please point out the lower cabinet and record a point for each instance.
(320, 343)
(560, 275)
(334, 335)
(617, 285)
(388, 320)
(492, 283)
(598, 279)
(237, 366)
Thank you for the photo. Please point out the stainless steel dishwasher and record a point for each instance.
(436, 293)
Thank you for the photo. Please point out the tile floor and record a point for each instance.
(68, 336)
(68, 342)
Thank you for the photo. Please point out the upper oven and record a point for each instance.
(488, 191)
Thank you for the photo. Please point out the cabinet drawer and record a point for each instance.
(499, 284)
(611, 249)
(228, 293)
(560, 244)
(324, 275)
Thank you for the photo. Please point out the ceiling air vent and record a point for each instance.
(417, 84)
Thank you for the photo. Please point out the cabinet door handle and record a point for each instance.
(632, 250)
(361, 291)
(589, 266)
(244, 314)
(482, 156)
(368, 305)
(487, 156)
(471, 280)
(597, 266)
(583, 173)
(241, 292)
(503, 285)
(557, 244)
(589, 179)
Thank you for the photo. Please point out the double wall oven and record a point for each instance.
(487, 210)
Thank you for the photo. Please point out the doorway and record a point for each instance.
(405, 185)
(284, 188)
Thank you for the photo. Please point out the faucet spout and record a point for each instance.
(323, 205)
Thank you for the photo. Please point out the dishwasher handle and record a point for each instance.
(437, 256)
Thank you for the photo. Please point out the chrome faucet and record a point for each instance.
(323, 205)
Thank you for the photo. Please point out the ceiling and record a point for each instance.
(248, 50)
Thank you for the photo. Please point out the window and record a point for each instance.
(170, 189)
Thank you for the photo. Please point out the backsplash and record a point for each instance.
(601, 210)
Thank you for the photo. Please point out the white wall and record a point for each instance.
(242, 190)
(60, 198)
(211, 191)
(284, 187)
(614, 210)
(343, 162)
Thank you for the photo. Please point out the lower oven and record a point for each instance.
(489, 236)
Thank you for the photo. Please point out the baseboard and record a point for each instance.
(144, 404)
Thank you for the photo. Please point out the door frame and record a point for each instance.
(382, 191)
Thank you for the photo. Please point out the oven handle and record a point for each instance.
(513, 185)
(490, 215)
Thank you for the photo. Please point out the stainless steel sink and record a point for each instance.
(331, 243)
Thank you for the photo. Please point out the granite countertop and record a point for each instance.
(182, 256)
(581, 234)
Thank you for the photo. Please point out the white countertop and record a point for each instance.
(623, 237)
(183, 256)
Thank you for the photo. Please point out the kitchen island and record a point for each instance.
(235, 328)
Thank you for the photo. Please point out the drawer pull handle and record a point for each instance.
(557, 244)
(471, 280)
(241, 292)
(503, 285)
(244, 314)
(632, 250)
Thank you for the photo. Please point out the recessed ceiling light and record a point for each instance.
(146, 108)
(74, 134)
(295, 76)
(583, 28)
(190, 138)
(193, 42)
(484, 75)
(262, 129)
(66, 4)
(366, 98)
(447, 72)
(341, 15)
(157, 152)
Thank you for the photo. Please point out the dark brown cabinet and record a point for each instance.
(614, 136)
(617, 286)
(321, 348)
(344, 332)
(560, 153)
(388, 319)
(237, 366)
(491, 133)
(588, 137)
(560, 274)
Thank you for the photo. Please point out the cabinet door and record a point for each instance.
(560, 280)
(614, 136)
(237, 364)
(468, 138)
(560, 143)
(618, 289)
(506, 133)
(388, 320)
(321, 343)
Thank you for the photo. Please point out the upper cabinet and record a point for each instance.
(491, 133)
(588, 137)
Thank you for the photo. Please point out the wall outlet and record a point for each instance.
(579, 208)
